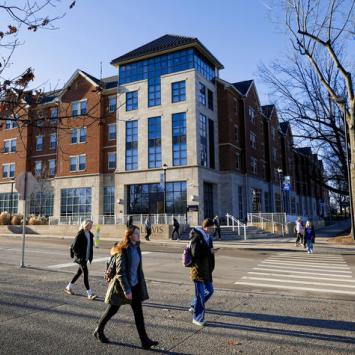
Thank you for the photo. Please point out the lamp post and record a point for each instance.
(11, 196)
(164, 171)
(279, 171)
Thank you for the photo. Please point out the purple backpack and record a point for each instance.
(186, 256)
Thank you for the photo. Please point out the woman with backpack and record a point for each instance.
(82, 249)
(127, 286)
(309, 236)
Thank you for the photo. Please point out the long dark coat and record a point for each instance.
(79, 247)
(120, 283)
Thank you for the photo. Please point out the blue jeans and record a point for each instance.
(309, 245)
(203, 292)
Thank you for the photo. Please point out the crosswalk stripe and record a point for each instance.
(301, 276)
(106, 258)
(296, 282)
(295, 288)
(338, 268)
(315, 256)
(284, 269)
(308, 262)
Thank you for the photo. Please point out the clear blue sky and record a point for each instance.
(238, 32)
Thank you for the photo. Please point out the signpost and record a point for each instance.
(25, 184)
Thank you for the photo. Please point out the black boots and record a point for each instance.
(100, 336)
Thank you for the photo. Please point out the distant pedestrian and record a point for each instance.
(127, 287)
(299, 229)
(217, 224)
(203, 262)
(176, 229)
(82, 249)
(310, 236)
(148, 228)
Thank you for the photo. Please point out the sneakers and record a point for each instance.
(192, 309)
(92, 297)
(149, 343)
(200, 324)
(147, 238)
(69, 291)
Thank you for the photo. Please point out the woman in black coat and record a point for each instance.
(82, 248)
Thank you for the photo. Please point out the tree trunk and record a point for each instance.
(352, 166)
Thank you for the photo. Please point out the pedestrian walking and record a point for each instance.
(147, 227)
(217, 224)
(203, 262)
(82, 249)
(309, 236)
(299, 229)
(176, 228)
(129, 221)
(127, 286)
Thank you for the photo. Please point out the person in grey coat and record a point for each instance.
(127, 287)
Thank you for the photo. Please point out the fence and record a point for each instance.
(272, 222)
(236, 224)
(123, 219)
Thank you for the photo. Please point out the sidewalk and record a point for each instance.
(322, 236)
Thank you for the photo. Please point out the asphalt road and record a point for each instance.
(267, 300)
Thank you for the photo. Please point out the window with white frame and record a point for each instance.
(253, 139)
(78, 108)
(53, 114)
(78, 135)
(202, 94)
(251, 111)
(51, 167)
(77, 162)
(39, 143)
(38, 167)
(111, 158)
(52, 141)
(8, 170)
(253, 164)
(111, 131)
(11, 123)
(112, 103)
(9, 145)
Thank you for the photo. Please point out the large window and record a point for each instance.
(10, 145)
(111, 158)
(53, 141)
(51, 167)
(256, 200)
(112, 103)
(154, 98)
(11, 123)
(109, 201)
(39, 143)
(77, 162)
(41, 203)
(252, 138)
(8, 170)
(178, 91)
(78, 135)
(210, 99)
(149, 198)
(75, 202)
(154, 142)
(251, 112)
(203, 140)
(131, 100)
(9, 202)
(179, 139)
(202, 94)
(53, 114)
(131, 145)
(38, 167)
(78, 108)
(111, 131)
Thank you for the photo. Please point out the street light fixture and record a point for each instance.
(279, 171)
(165, 166)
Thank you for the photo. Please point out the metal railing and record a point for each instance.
(72, 220)
(122, 219)
(236, 223)
(265, 220)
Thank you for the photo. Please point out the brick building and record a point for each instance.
(103, 147)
